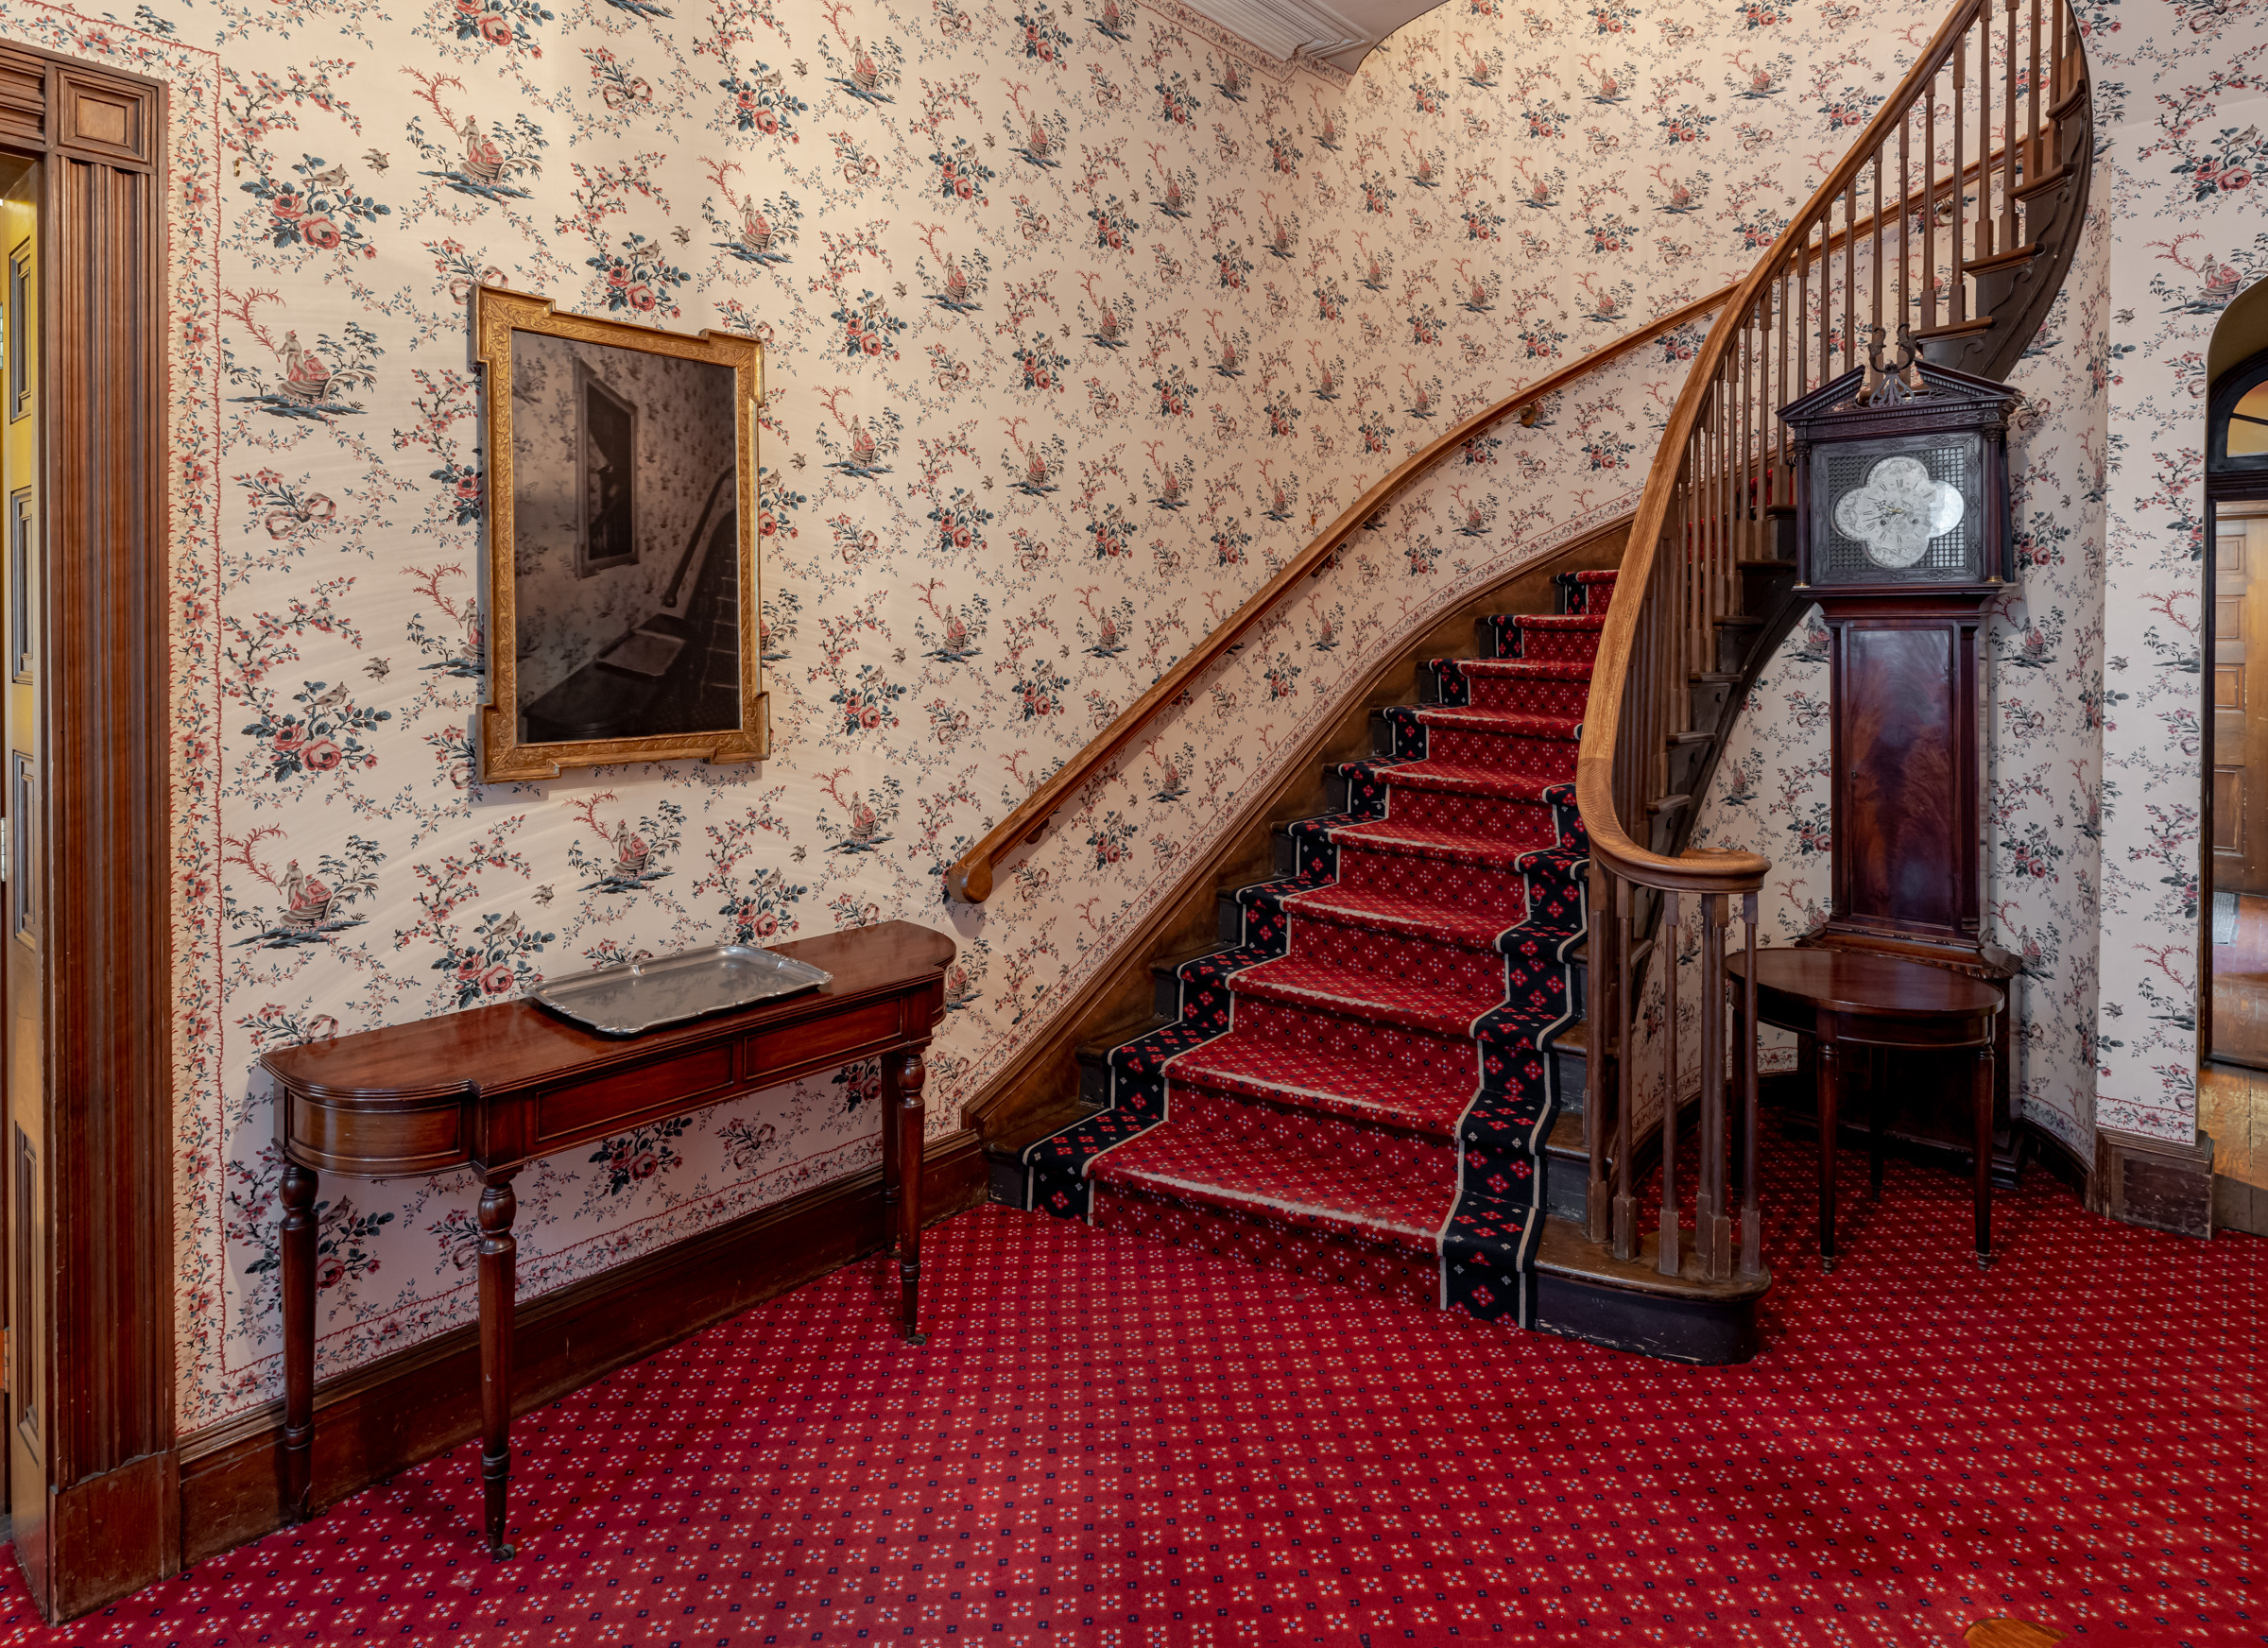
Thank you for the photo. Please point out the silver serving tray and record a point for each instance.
(636, 996)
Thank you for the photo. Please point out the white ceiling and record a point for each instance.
(1340, 32)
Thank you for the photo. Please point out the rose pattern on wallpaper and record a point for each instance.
(2183, 116)
(1080, 321)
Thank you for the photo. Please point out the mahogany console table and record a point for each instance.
(1847, 998)
(494, 1089)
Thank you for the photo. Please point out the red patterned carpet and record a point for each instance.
(1114, 1441)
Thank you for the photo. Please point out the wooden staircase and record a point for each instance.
(1961, 253)
(1577, 1289)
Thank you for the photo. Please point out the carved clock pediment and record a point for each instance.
(1901, 482)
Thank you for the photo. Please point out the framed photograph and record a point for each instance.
(623, 578)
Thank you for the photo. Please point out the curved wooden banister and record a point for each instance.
(1985, 237)
(971, 877)
(1610, 844)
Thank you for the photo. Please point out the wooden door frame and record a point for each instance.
(106, 1521)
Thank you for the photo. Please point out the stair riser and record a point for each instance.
(1762, 588)
(1569, 1072)
(1566, 1188)
(1520, 826)
(1558, 645)
(1330, 1139)
(1526, 697)
(1591, 592)
(1258, 1240)
(1686, 761)
(1496, 896)
(1545, 759)
(1732, 647)
(1448, 1062)
(1432, 963)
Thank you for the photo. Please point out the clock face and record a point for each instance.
(1897, 511)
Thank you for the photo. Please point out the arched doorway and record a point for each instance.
(2233, 994)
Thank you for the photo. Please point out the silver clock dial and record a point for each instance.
(1898, 510)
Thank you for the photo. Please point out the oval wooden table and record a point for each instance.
(1845, 998)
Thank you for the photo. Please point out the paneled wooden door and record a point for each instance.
(85, 942)
(22, 1108)
(2234, 1007)
(2239, 679)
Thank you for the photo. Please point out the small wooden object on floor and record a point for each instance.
(1847, 999)
(2003, 1633)
(515, 1084)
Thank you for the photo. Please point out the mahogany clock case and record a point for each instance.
(1907, 710)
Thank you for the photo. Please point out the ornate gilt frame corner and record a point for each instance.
(504, 758)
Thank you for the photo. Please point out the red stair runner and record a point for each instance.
(1313, 1090)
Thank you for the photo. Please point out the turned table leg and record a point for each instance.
(297, 1243)
(912, 1074)
(497, 1286)
(1831, 1086)
(1983, 1102)
(1878, 1082)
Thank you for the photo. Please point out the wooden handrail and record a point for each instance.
(1610, 844)
(971, 877)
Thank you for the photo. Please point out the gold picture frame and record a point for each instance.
(608, 503)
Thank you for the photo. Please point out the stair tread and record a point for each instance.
(1510, 723)
(1955, 328)
(1167, 964)
(1471, 779)
(1304, 1077)
(1562, 1249)
(1300, 982)
(1247, 1174)
(1426, 841)
(1571, 621)
(1529, 669)
(2040, 184)
(1581, 953)
(1390, 912)
(2002, 259)
(1066, 1113)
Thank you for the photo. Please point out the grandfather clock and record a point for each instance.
(1901, 482)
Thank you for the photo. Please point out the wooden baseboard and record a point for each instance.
(2062, 1162)
(2155, 1183)
(406, 1408)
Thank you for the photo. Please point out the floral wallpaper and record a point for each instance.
(1080, 318)
(2184, 115)
(685, 445)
